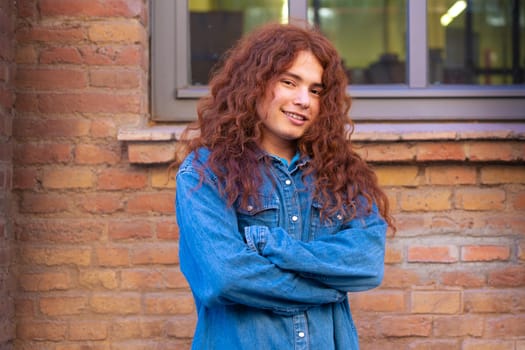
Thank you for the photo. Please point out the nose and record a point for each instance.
(302, 98)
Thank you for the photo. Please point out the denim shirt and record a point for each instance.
(272, 275)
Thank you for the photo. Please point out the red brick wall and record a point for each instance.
(7, 247)
(97, 242)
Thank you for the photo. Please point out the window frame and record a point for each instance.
(173, 99)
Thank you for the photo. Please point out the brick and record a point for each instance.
(434, 344)
(397, 175)
(393, 255)
(26, 54)
(25, 178)
(505, 326)
(88, 330)
(373, 152)
(60, 55)
(94, 102)
(439, 151)
(117, 32)
(432, 254)
(103, 128)
(47, 35)
(95, 154)
(45, 281)
(118, 179)
(115, 78)
(379, 301)
(162, 178)
(486, 344)
(51, 128)
(152, 202)
(181, 326)
(521, 251)
(151, 153)
(485, 253)
(480, 199)
(63, 305)
(503, 175)
(101, 203)
(142, 280)
(43, 153)
(175, 279)
(112, 256)
(458, 326)
(44, 203)
(511, 276)
(50, 79)
(116, 304)
(436, 302)
(68, 178)
(405, 326)
(69, 231)
(518, 202)
(98, 279)
(167, 230)
(41, 330)
(464, 279)
(175, 304)
(146, 254)
(450, 175)
(130, 229)
(90, 8)
(424, 199)
(491, 151)
(122, 55)
(136, 329)
(55, 256)
(494, 301)
(396, 277)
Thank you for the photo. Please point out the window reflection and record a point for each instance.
(476, 41)
(369, 35)
(215, 25)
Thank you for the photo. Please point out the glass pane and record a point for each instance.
(477, 42)
(369, 35)
(215, 25)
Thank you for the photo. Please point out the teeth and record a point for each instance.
(294, 116)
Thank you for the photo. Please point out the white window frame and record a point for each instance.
(173, 98)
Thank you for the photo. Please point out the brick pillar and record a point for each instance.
(7, 69)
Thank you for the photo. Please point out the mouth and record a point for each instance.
(295, 116)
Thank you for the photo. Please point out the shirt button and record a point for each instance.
(301, 334)
(295, 218)
(249, 208)
(288, 181)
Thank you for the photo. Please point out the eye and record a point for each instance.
(288, 82)
(316, 91)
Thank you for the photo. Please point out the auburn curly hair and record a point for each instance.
(228, 124)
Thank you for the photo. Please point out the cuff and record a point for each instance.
(256, 237)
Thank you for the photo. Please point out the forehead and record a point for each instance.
(307, 67)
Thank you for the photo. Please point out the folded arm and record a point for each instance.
(349, 260)
(221, 268)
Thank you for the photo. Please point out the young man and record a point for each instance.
(279, 218)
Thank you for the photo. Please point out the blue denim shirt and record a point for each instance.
(272, 275)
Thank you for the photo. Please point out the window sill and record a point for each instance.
(155, 144)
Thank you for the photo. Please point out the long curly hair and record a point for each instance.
(228, 124)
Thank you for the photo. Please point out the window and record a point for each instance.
(406, 59)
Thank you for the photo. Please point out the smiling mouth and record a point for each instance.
(295, 116)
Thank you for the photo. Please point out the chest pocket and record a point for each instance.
(264, 213)
(327, 226)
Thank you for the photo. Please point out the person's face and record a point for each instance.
(291, 105)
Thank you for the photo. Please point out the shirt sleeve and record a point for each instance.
(350, 260)
(221, 268)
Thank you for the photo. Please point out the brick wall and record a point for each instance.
(93, 215)
(7, 247)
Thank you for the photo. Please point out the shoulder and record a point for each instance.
(196, 163)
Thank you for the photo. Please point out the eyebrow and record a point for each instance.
(299, 78)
